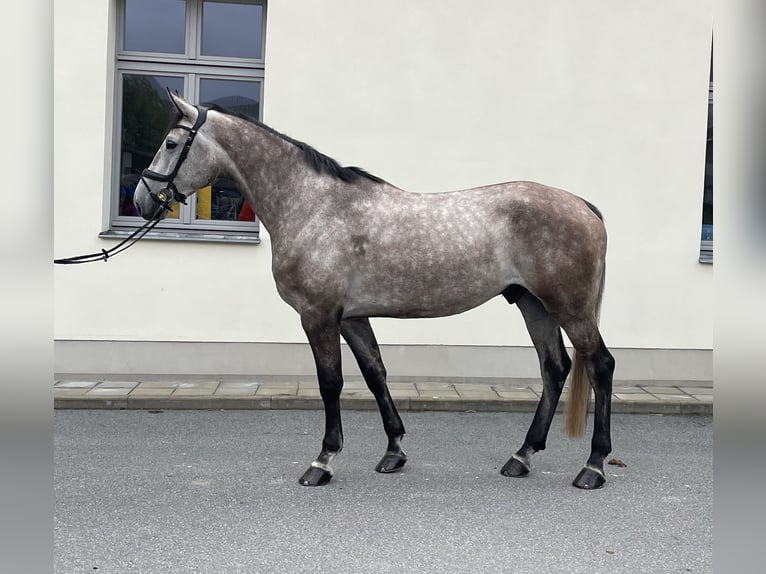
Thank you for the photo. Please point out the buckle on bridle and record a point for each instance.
(163, 197)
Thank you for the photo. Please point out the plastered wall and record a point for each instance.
(605, 99)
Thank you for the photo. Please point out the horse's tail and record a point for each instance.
(579, 391)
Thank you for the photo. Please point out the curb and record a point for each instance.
(419, 404)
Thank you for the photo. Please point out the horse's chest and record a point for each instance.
(307, 278)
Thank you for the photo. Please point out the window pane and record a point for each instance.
(238, 96)
(232, 29)
(707, 202)
(146, 111)
(222, 201)
(155, 26)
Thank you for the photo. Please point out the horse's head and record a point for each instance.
(180, 167)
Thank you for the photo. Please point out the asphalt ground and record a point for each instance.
(216, 491)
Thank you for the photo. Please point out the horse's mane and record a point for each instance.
(320, 162)
(594, 209)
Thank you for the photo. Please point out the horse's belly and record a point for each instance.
(419, 300)
(411, 310)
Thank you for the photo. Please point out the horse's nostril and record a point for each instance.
(138, 208)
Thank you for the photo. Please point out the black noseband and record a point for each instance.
(170, 191)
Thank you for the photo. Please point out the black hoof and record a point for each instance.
(514, 467)
(315, 477)
(589, 479)
(391, 462)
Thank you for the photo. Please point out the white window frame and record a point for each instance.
(192, 66)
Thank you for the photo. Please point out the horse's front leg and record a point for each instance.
(324, 338)
(361, 339)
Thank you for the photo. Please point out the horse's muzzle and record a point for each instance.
(150, 205)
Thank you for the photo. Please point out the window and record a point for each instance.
(706, 243)
(210, 52)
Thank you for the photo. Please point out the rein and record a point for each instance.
(104, 254)
(162, 198)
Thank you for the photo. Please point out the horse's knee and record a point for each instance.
(330, 393)
(374, 375)
(557, 367)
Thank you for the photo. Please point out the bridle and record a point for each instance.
(162, 197)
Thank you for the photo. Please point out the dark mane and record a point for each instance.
(594, 209)
(319, 162)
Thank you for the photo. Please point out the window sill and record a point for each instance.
(199, 236)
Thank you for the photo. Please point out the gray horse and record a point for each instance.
(347, 246)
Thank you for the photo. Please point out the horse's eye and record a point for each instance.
(170, 144)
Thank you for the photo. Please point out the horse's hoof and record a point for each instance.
(589, 479)
(391, 462)
(315, 477)
(514, 467)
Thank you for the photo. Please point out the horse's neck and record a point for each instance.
(268, 170)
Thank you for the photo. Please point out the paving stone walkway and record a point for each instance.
(691, 398)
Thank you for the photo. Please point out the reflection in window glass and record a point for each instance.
(155, 26)
(237, 96)
(222, 201)
(232, 29)
(146, 110)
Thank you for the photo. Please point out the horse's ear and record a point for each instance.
(181, 105)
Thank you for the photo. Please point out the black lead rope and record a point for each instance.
(105, 254)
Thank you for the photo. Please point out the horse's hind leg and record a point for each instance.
(598, 364)
(554, 366)
(360, 338)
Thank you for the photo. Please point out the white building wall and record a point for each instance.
(605, 99)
